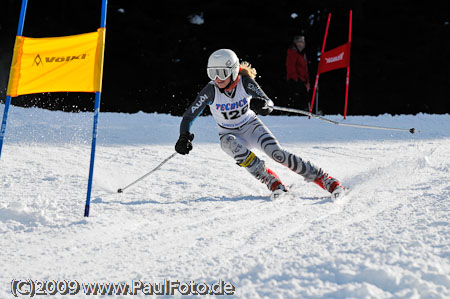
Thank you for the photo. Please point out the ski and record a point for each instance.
(335, 196)
(280, 192)
(339, 194)
(277, 194)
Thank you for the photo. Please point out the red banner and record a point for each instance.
(335, 59)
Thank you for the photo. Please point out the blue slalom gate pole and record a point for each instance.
(23, 11)
(94, 130)
(5, 118)
(94, 142)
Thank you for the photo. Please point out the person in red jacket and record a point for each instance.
(297, 74)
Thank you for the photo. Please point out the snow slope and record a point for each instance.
(202, 218)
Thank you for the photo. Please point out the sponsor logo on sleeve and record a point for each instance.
(199, 103)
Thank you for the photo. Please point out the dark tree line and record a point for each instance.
(155, 57)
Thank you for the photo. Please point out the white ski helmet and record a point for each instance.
(223, 63)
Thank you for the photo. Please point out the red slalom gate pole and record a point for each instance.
(317, 75)
(347, 82)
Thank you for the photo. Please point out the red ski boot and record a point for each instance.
(273, 182)
(330, 184)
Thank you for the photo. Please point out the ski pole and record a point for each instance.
(144, 176)
(412, 130)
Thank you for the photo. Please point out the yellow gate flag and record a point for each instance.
(68, 63)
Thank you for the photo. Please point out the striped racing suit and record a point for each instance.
(240, 129)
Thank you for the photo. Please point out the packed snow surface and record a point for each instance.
(201, 219)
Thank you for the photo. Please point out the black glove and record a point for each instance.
(261, 106)
(184, 144)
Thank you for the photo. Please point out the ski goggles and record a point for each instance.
(218, 72)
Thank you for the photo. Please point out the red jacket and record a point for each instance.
(296, 66)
